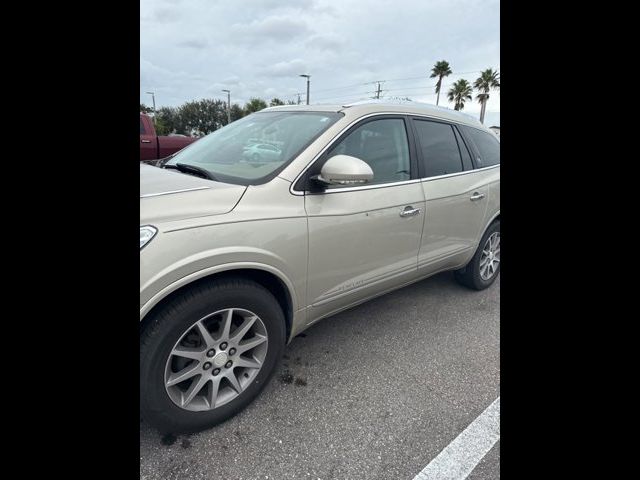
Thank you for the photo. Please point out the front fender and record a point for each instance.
(159, 288)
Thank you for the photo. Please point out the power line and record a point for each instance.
(382, 81)
(379, 92)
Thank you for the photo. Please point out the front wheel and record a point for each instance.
(484, 267)
(208, 353)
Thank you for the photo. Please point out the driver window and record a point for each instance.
(383, 145)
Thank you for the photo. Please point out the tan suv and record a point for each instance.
(238, 256)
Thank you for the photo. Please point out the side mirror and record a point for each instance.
(344, 170)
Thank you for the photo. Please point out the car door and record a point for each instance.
(365, 239)
(148, 146)
(486, 151)
(456, 198)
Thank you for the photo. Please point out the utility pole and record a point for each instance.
(298, 99)
(378, 92)
(228, 106)
(308, 77)
(153, 97)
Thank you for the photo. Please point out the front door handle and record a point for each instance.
(145, 141)
(409, 212)
(476, 196)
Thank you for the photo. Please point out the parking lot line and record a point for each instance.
(460, 457)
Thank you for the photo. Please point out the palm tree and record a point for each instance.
(459, 93)
(440, 70)
(487, 80)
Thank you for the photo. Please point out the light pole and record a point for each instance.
(153, 97)
(308, 77)
(228, 106)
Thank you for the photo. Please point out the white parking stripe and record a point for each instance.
(461, 456)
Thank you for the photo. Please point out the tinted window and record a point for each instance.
(464, 151)
(142, 132)
(440, 153)
(487, 144)
(383, 145)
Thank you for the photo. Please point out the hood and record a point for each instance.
(168, 195)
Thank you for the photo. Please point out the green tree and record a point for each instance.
(145, 109)
(488, 80)
(440, 70)
(254, 105)
(291, 102)
(168, 121)
(202, 117)
(236, 112)
(275, 102)
(459, 93)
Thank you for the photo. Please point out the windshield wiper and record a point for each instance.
(192, 169)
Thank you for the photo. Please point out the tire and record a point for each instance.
(470, 276)
(179, 321)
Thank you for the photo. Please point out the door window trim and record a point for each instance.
(460, 139)
(457, 174)
(300, 178)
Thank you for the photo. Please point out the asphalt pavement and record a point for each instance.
(375, 392)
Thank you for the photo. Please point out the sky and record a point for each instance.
(193, 49)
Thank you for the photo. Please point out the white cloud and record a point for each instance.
(271, 28)
(258, 48)
(286, 69)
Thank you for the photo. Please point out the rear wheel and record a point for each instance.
(208, 353)
(484, 267)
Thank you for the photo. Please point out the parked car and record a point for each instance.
(262, 152)
(237, 260)
(154, 147)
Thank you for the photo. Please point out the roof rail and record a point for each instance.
(374, 101)
(411, 102)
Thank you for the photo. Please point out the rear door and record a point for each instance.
(364, 239)
(486, 150)
(456, 198)
(148, 144)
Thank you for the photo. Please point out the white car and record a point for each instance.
(235, 261)
(262, 153)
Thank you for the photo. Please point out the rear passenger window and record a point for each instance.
(439, 148)
(142, 132)
(464, 151)
(487, 144)
(383, 145)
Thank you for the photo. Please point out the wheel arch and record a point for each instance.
(275, 283)
(494, 218)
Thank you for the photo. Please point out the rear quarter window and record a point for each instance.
(142, 130)
(488, 146)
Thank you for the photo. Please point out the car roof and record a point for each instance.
(384, 106)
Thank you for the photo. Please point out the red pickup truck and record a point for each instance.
(154, 147)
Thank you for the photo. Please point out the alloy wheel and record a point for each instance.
(216, 359)
(490, 258)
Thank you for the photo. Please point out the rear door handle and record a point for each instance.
(409, 212)
(145, 141)
(476, 196)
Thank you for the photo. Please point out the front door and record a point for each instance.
(365, 239)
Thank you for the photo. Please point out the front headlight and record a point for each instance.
(146, 234)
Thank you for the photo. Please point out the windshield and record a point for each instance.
(254, 149)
